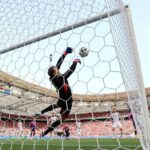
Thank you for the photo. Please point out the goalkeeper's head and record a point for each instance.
(53, 71)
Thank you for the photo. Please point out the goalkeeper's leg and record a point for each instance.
(49, 108)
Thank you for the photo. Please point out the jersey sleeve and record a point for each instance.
(60, 61)
(70, 70)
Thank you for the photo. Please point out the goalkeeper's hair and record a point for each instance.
(51, 71)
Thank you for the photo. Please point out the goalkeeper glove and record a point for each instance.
(68, 50)
(77, 60)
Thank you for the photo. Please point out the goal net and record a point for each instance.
(33, 35)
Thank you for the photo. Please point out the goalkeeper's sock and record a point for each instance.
(53, 126)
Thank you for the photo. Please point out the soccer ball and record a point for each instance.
(83, 52)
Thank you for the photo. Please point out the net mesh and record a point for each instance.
(34, 34)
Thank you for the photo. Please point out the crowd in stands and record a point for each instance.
(87, 128)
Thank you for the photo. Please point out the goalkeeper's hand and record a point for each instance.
(68, 50)
(77, 60)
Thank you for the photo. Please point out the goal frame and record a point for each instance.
(145, 130)
(141, 83)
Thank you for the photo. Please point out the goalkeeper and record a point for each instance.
(63, 89)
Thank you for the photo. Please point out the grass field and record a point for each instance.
(72, 144)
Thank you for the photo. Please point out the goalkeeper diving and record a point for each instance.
(60, 82)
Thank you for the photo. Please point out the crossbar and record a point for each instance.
(62, 30)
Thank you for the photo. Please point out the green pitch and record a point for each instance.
(72, 144)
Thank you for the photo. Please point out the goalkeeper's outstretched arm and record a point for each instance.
(61, 59)
(72, 68)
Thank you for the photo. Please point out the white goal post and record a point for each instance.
(141, 89)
